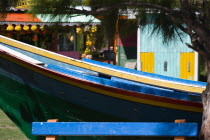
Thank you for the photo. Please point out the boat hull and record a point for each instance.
(88, 94)
(24, 105)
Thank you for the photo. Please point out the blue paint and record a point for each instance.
(115, 129)
(109, 105)
(151, 75)
(67, 69)
(48, 60)
(128, 85)
(154, 43)
(156, 76)
(140, 84)
(123, 109)
(173, 64)
(169, 52)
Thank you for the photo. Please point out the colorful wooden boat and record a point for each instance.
(143, 77)
(108, 89)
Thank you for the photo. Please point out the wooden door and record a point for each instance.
(187, 64)
(147, 62)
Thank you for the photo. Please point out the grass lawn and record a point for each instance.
(8, 130)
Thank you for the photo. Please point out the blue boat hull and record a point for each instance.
(125, 109)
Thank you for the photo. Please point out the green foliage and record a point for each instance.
(99, 44)
(80, 43)
(101, 3)
(163, 24)
(109, 25)
(202, 69)
(165, 3)
(54, 7)
(5, 5)
(109, 18)
(127, 27)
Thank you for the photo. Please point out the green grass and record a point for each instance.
(8, 130)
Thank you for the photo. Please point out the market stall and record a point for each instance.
(59, 34)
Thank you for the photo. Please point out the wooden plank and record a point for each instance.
(115, 129)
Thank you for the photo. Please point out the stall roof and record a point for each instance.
(68, 19)
(47, 19)
(17, 17)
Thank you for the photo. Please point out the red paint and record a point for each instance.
(130, 41)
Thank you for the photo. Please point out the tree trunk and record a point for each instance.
(205, 128)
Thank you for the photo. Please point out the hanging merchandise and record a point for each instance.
(89, 42)
(87, 28)
(17, 28)
(41, 28)
(26, 27)
(93, 29)
(78, 30)
(35, 38)
(71, 38)
(33, 27)
(10, 28)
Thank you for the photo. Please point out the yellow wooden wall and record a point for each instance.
(187, 62)
(147, 62)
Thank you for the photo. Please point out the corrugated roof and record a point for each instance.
(15, 17)
(48, 18)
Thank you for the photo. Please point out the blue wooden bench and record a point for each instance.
(52, 129)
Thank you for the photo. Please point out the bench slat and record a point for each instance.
(115, 129)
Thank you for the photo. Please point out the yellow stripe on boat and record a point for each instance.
(117, 73)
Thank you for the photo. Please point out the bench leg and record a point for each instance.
(52, 137)
(180, 138)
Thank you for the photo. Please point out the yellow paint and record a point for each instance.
(187, 61)
(67, 60)
(109, 93)
(147, 62)
(23, 4)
